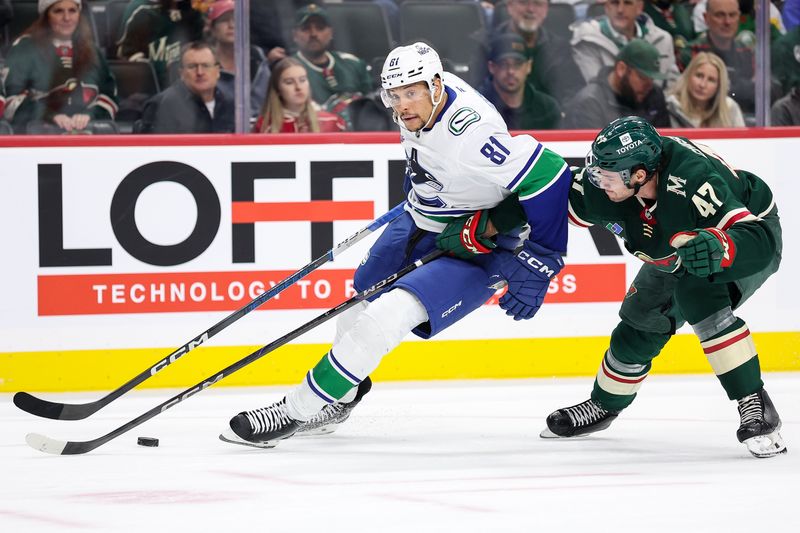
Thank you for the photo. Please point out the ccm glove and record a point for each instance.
(463, 237)
(528, 275)
(704, 252)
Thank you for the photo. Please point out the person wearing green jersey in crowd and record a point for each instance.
(709, 236)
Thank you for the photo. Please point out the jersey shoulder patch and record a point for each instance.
(462, 119)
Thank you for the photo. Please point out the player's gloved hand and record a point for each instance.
(704, 252)
(528, 275)
(464, 236)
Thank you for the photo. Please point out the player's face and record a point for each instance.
(528, 15)
(622, 14)
(294, 88)
(509, 73)
(314, 37)
(722, 18)
(611, 182)
(703, 83)
(412, 103)
(63, 18)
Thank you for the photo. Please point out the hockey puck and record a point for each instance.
(147, 441)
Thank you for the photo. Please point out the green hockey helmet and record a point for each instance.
(625, 145)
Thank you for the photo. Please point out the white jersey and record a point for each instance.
(468, 161)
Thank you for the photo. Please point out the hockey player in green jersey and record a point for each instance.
(709, 236)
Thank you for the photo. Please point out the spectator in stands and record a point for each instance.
(56, 74)
(336, 78)
(625, 89)
(194, 103)
(597, 42)
(700, 97)
(266, 31)
(674, 17)
(508, 89)
(222, 34)
(785, 60)
(722, 18)
(289, 107)
(155, 30)
(786, 111)
(746, 19)
(554, 72)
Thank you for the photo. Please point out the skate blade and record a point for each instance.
(323, 430)
(765, 446)
(547, 434)
(232, 438)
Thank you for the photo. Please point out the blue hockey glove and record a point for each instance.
(528, 275)
(704, 252)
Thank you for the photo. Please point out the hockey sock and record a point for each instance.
(625, 365)
(732, 354)
(375, 332)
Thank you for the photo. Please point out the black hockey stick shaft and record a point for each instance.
(53, 446)
(64, 411)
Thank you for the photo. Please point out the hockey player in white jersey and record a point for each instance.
(471, 188)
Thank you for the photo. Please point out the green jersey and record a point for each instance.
(696, 189)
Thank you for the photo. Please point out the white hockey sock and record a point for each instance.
(376, 331)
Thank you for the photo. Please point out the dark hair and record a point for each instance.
(84, 53)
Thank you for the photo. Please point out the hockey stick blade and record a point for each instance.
(66, 411)
(57, 447)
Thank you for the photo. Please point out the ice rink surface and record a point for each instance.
(430, 456)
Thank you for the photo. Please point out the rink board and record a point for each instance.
(120, 249)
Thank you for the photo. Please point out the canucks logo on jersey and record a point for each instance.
(418, 175)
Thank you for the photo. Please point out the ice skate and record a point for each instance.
(333, 415)
(581, 419)
(759, 425)
(261, 428)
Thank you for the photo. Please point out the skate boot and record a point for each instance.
(333, 415)
(582, 419)
(261, 428)
(759, 425)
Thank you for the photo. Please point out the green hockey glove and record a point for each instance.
(704, 251)
(463, 237)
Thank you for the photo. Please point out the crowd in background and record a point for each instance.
(168, 66)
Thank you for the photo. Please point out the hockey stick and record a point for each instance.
(58, 447)
(64, 411)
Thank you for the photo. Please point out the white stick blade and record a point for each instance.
(45, 444)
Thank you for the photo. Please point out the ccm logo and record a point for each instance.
(452, 309)
(535, 264)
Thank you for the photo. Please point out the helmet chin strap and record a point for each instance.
(433, 109)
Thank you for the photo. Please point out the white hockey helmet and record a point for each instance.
(409, 64)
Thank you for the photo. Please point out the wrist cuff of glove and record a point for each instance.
(508, 214)
(726, 242)
(472, 234)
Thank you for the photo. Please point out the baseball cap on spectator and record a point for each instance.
(507, 45)
(44, 5)
(219, 8)
(642, 56)
(311, 10)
